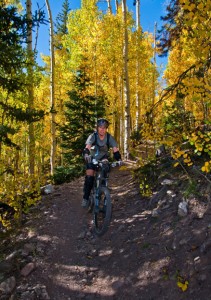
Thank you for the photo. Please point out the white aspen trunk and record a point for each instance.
(109, 7)
(154, 76)
(126, 87)
(116, 5)
(122, 123)
(31, 150)
(137, 14)
(155, 33)
(137, 121)
(52, 93)
(154, 60)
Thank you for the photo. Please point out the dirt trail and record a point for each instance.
(77, 264)
(135, 259)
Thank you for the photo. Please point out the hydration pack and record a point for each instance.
(95, 142)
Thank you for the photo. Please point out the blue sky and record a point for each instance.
(150, 12)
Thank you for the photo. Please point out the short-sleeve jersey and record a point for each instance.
(99, 147)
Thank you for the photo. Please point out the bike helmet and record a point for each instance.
(102, 122)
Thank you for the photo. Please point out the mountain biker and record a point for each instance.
(97, 146)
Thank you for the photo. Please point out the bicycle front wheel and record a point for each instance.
(90, 206)
(102, 213)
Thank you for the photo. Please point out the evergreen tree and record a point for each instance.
(81, 112)
(13, 63)
(61, 20)
(82, 109)
(171, 30)
(12, 58)
(61, 23)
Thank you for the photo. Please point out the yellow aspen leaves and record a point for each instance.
(192, 90)
(182, 283)
(206, 167)
(182, 156)
(177, 153)
(191, 7)
(183, 286)
(201, 143)
(187, 160)
(200, 6)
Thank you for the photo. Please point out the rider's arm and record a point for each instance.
(89, 143)
(88, 146)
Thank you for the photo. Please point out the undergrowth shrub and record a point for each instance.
(66, 174)
(17, 195)
(147, 175)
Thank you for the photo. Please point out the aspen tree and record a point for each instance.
(109, 6)
(126, 87)
(30, 86)
(52, 95)
(138, 33)
(116, 5)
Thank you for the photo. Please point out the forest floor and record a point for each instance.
(149, 252)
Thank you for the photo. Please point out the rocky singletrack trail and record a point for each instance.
(146, 253)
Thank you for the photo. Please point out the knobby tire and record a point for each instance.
(102, 218)
(90, 207)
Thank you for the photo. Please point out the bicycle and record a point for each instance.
(100, 201)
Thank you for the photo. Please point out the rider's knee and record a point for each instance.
(90, 172)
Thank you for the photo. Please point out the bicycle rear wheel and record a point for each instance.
(102, 214)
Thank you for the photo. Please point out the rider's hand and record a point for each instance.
(87, 158)
(86, 155)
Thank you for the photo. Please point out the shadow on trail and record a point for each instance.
(135, 259)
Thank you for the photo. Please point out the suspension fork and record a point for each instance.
(97, 189)
(100, 177)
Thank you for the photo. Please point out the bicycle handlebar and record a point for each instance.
(105, 161)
